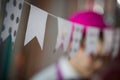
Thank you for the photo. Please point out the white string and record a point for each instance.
(43, 10)
(46, 11)
(27, 2)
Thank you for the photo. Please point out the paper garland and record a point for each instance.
(64, 33)
(36, 28)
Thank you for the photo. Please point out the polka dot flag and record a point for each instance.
(12, 14)
(11, 21)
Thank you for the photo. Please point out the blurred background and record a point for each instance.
(25, 63)
(64, 8)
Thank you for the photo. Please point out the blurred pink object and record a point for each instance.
(88, 19)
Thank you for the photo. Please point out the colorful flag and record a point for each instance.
(12, 15)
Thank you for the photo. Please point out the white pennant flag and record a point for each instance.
(116, 43)
(64, 33)
(92, 37)
(12, 16)
(108, 39)
(36, 25)
(77, 36)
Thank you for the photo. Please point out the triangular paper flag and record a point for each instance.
(64, 33)
(36, 25)
(76, 38)
(108, 39)
(92, 37)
